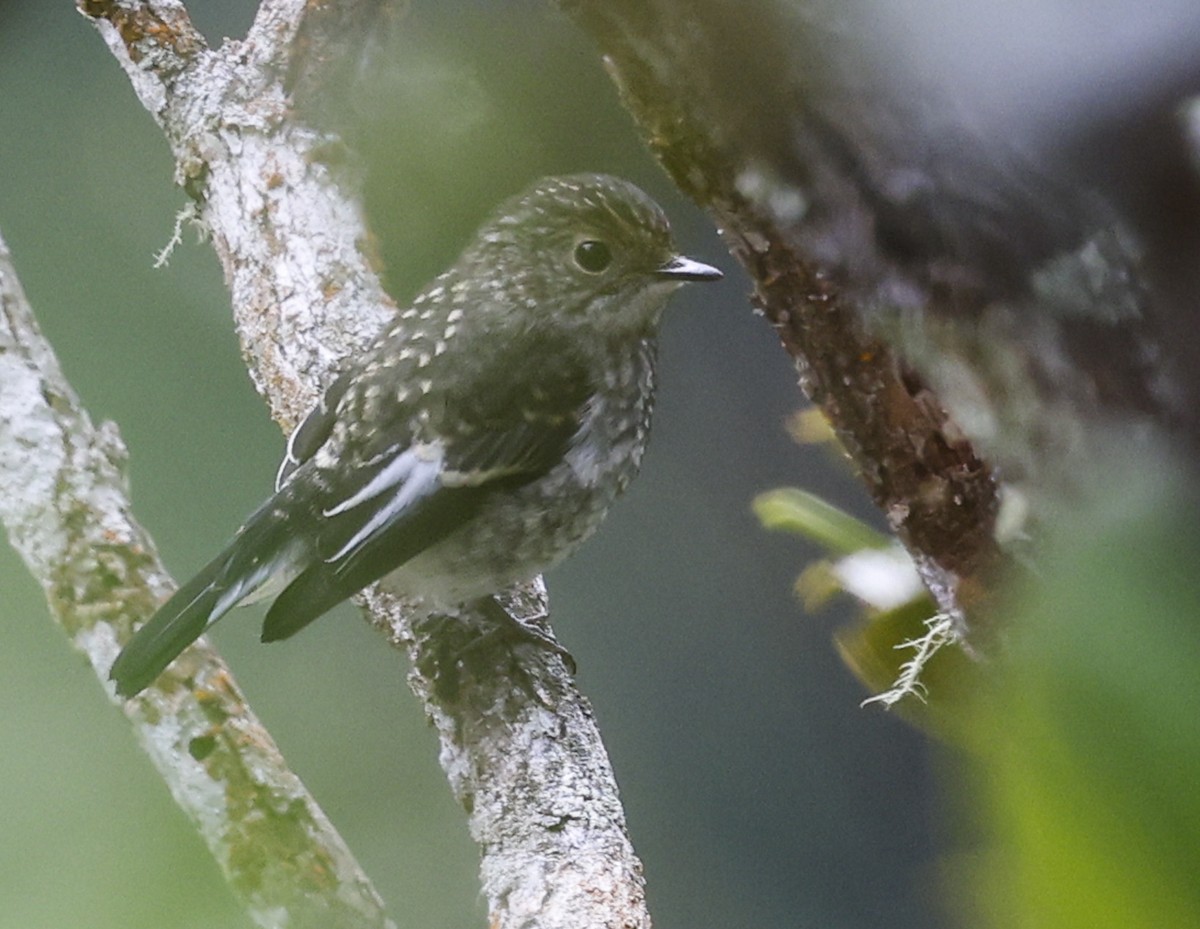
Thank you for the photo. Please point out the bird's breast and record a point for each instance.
(608, 448)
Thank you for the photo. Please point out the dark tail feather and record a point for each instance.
(176, 625)
(311, 595)
(259, 551)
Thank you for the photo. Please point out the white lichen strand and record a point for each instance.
(946, 626)
(941, 631)
(188, 213)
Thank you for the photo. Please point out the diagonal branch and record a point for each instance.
(689, 86)
(64, 503)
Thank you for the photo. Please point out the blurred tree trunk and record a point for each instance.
(976, 324)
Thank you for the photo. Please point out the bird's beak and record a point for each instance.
(682, 269)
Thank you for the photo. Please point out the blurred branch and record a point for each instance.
(959, 313)
(1190, 113)
(519, 744)
(717, 124)
(65, 505)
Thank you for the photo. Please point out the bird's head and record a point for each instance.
(588, 252)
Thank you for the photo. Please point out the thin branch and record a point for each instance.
(65, 505)
(519, 743)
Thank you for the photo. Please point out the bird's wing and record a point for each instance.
(312, 431)
(408, 496)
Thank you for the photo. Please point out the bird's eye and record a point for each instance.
(593, 256)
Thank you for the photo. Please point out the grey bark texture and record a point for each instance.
(65, 506)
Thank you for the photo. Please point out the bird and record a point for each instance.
(476, 442)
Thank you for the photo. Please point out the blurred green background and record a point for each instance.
(758, 793)
(1084, 748)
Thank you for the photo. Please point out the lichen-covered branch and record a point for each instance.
(280, 204)
(65, 506)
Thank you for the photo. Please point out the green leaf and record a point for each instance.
(806, 514)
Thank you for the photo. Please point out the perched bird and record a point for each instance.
(477, 442)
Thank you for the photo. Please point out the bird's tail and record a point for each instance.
(258, 554)
(176, 625)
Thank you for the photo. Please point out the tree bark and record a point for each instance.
(65, 505)
(975, 328)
